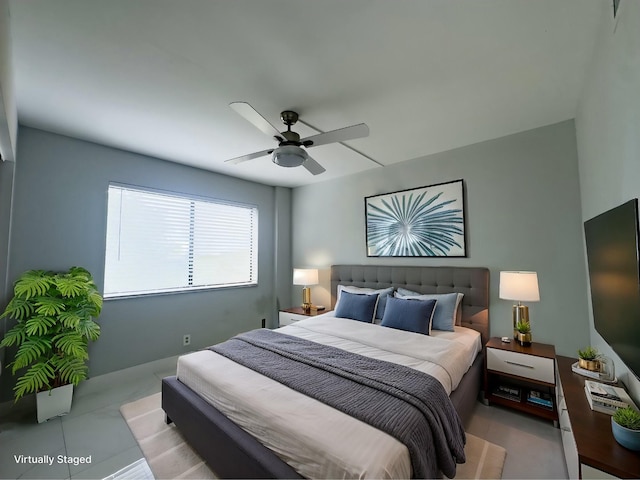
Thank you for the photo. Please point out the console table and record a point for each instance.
(589, 447)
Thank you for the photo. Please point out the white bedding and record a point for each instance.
(315, 439)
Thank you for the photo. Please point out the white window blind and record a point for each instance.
(159, 242)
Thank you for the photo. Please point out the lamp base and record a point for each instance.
(306, 299)
(520, 314)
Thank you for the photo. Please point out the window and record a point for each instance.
(161, 242)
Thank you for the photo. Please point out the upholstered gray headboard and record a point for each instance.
(472, 281)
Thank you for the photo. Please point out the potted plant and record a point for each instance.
(54, 314)
(589, 359)
(524, 333)
(625, 425)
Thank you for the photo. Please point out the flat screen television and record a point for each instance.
(614, 274)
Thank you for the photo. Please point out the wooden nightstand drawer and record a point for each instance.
(295, 314)
(527, 366)
(286, 318)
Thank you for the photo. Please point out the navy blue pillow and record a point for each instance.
(357, 307)
(410, 315)
(444, 317)
(382, 298)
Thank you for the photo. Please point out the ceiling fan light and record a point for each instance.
(289, 156)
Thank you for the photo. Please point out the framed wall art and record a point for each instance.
(420, 222)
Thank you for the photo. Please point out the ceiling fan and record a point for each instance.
(290, 151)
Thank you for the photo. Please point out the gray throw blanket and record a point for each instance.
(409, 405)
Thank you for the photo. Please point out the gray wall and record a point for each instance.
(7, 170)
(282, 257)
(608, 134)
(8, 136)
(59, 219)
(8, 110)
(522, 213)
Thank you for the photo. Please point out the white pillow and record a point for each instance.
(383, 293)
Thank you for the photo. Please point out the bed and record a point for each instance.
(232, 452)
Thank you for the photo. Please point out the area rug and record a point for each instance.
(170, 457)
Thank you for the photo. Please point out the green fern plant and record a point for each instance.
(54, 314)
(627, 417)
(589, 353)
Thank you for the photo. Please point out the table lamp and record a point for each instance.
(520, 287)
(305, 277)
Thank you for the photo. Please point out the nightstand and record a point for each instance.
(523, 378)
(291, 315)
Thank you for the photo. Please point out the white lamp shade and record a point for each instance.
(305, 276)
(520, 286)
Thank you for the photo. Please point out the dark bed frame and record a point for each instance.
(233, 453)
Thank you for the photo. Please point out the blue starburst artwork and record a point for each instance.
(422, 222)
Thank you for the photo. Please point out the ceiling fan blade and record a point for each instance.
(339, 135)
(313, 167)
(250, 113)
(345, 145)
(251, 156)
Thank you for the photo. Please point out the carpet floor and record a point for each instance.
(170, 457)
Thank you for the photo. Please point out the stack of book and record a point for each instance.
(606, 398)
(540, 399)
(507, 391)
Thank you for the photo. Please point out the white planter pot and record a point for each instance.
(55, 402)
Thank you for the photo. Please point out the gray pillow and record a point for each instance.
(444, 317)
(357, 307)
(409, 314)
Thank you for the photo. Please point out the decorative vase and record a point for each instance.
(54, 402)
(625, 436)
(591, 365)
(524, 339)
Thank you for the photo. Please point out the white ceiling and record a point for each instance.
(156, 76)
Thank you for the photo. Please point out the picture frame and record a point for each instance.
(426, 221)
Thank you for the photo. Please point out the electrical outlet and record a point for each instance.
(186, 340)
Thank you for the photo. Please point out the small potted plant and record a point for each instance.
(588, 359)
(524, 333)
(625, 426)
(54, 315)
